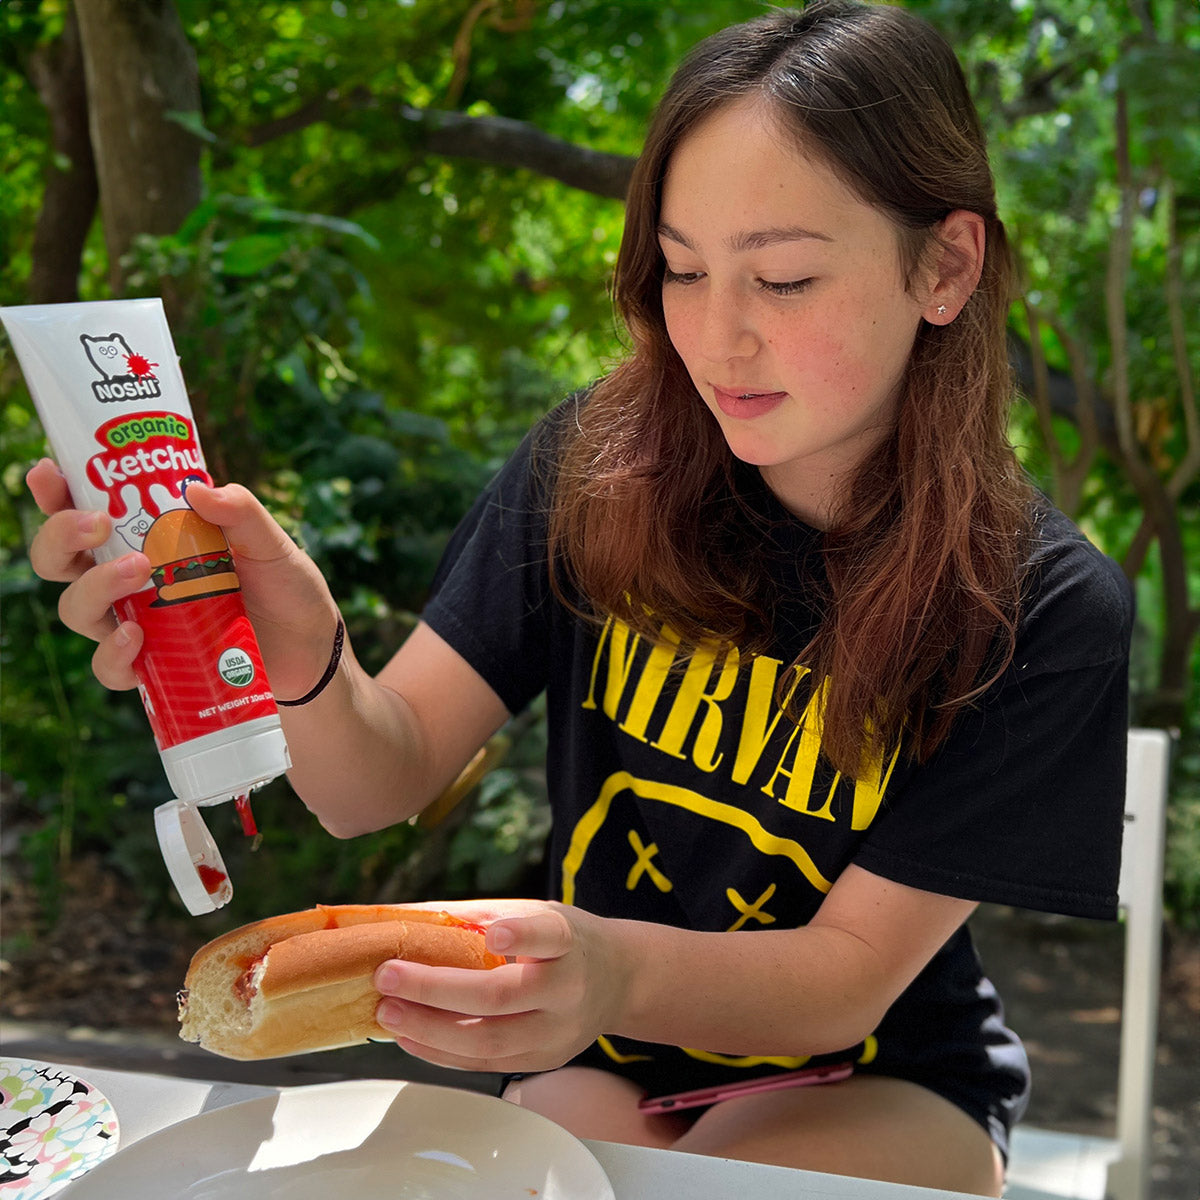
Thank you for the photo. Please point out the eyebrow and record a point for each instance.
(755, 239)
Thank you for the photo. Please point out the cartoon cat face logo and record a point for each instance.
(124, 375)
(109, 355)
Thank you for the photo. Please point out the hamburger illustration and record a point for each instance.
(190, 558)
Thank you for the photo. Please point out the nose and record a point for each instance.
(728, 328)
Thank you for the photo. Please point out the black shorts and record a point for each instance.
(946, 1033)
(989, 1083)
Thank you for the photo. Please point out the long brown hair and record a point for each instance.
(920, 583)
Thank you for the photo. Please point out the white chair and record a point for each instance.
(1048, 1165)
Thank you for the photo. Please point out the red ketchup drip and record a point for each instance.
(212, 879)
(249, 827)
(147, 501)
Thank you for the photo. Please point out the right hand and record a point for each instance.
(287, 600)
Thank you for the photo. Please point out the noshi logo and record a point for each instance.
(236, 667)
(124, 375)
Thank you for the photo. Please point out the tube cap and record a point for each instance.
(220, 765)
(193, 860)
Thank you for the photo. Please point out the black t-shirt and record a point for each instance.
(682, 794)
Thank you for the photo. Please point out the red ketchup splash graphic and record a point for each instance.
(139, 365)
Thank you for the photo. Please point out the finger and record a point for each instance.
(112, 664)
(48, 486)
(545, 934)
(62, 548)
(501, 1064)
(251, 531)
(480, 912)
(462, 1040)
(86, 606)
(502, 991)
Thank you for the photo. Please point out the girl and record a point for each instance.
(823, 672)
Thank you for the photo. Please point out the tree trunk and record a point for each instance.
(139, 68)
(69, 200)
(1159, 508)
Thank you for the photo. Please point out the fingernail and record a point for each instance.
(386, 978)
(499, 939)
(130, 567)
(389, 1014)
(87, 522)
(122, 638)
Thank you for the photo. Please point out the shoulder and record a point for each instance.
(537, 456)
(1076, 605)
(561, 422)
(524, 480)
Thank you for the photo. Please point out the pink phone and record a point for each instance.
(726, 1091)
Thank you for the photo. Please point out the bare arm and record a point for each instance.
(366, 752)
(370, 752)
(797, 992)
(811, 990)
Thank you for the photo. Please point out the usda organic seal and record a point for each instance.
(236, 667)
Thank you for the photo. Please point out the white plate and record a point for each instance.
(357, 1140)
(53, 1128)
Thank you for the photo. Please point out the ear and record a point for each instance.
(956, 264)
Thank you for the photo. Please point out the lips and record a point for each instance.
(746, 404)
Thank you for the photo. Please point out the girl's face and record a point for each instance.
(785, 298)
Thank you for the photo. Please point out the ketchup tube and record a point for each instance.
(108, 389)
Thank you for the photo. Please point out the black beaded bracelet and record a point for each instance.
(339, 638)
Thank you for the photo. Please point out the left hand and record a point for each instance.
(563, 986)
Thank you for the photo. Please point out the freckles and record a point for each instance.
(821, 359)
(678, 333)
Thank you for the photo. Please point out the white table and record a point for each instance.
(146, 1103)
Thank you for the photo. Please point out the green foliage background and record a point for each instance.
(371, 330)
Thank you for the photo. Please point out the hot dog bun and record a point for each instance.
(302, 981)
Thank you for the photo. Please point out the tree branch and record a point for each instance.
(1074, 395)
(1070, 473)
(1179, 618)
(1189, 466)
(508, 143)
(331, 107)
(1120, 253)
(497, 140)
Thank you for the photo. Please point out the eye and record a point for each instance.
(684, 277)
(790, 288)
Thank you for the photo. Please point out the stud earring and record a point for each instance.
(941, 310)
